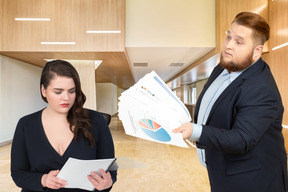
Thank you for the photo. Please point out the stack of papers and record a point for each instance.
(150, 110)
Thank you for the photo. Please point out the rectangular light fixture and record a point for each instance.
(58, 43)
(285, 126)
(97, 63)
(32, 19)
(278, 47)
(103, 31)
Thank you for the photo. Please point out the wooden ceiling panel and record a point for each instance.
(114, 69)
(69, 22)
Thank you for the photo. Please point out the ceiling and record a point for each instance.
(165, 61)
(163, 44)
(118, 69)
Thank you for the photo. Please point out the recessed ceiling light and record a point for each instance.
(140, 64)
(176, 65)
(58, 43)
(103, 31)
(32, 19)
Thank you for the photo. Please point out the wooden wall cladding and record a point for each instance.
(226, 11)
(70, 19)
(277, 59)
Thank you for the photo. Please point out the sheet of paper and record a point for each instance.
(75, 171)
(150, 110)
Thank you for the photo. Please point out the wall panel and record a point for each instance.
(277, 59)
(70, 19)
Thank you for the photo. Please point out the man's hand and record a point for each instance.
(186, 129)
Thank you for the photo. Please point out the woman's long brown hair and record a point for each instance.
(77, 117)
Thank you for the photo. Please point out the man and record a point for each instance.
(238, 116)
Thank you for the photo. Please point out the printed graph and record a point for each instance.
(154, 130)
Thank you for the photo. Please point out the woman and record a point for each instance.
(43, 141)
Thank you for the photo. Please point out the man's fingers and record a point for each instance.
(177, 130)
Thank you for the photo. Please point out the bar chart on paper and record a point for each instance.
(154, 130)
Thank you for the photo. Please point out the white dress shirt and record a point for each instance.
(208, 100)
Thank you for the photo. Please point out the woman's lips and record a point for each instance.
(64, 105)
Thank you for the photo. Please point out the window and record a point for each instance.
(192, 96)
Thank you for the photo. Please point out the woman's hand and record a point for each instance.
(51, 181)
(101, 183)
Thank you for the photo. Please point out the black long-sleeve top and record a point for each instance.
(32, 155)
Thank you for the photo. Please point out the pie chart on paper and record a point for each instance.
(154, 130)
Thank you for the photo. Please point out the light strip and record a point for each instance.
(285, 126)
(280, 46)
(58, 43)
(32, 19)
(103, 31)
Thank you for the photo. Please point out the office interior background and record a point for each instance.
(112, 44)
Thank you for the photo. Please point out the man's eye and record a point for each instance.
(228, 37)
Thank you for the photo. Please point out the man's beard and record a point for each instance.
(233, 67)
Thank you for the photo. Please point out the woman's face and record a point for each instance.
(60, 94)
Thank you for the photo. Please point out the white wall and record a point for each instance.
(106, 97)
(19, 94)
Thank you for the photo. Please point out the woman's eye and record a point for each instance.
(58, 93)
(72, 91)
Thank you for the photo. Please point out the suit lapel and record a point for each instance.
(255, 68)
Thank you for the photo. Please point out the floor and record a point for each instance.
(143, 166)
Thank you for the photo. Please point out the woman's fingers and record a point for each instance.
(51, 180)
(100, 182)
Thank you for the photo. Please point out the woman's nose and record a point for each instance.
(65, 96)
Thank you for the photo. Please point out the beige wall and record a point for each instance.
(107, 99)
(86, 71)
(185, 20)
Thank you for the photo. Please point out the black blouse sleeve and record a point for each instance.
(105, 145)
(20, 166)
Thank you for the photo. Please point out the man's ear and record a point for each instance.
(257, 52)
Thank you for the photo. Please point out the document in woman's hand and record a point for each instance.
(75, 171)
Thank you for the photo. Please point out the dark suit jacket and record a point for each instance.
(243, 134)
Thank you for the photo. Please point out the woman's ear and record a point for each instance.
(43, 91)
